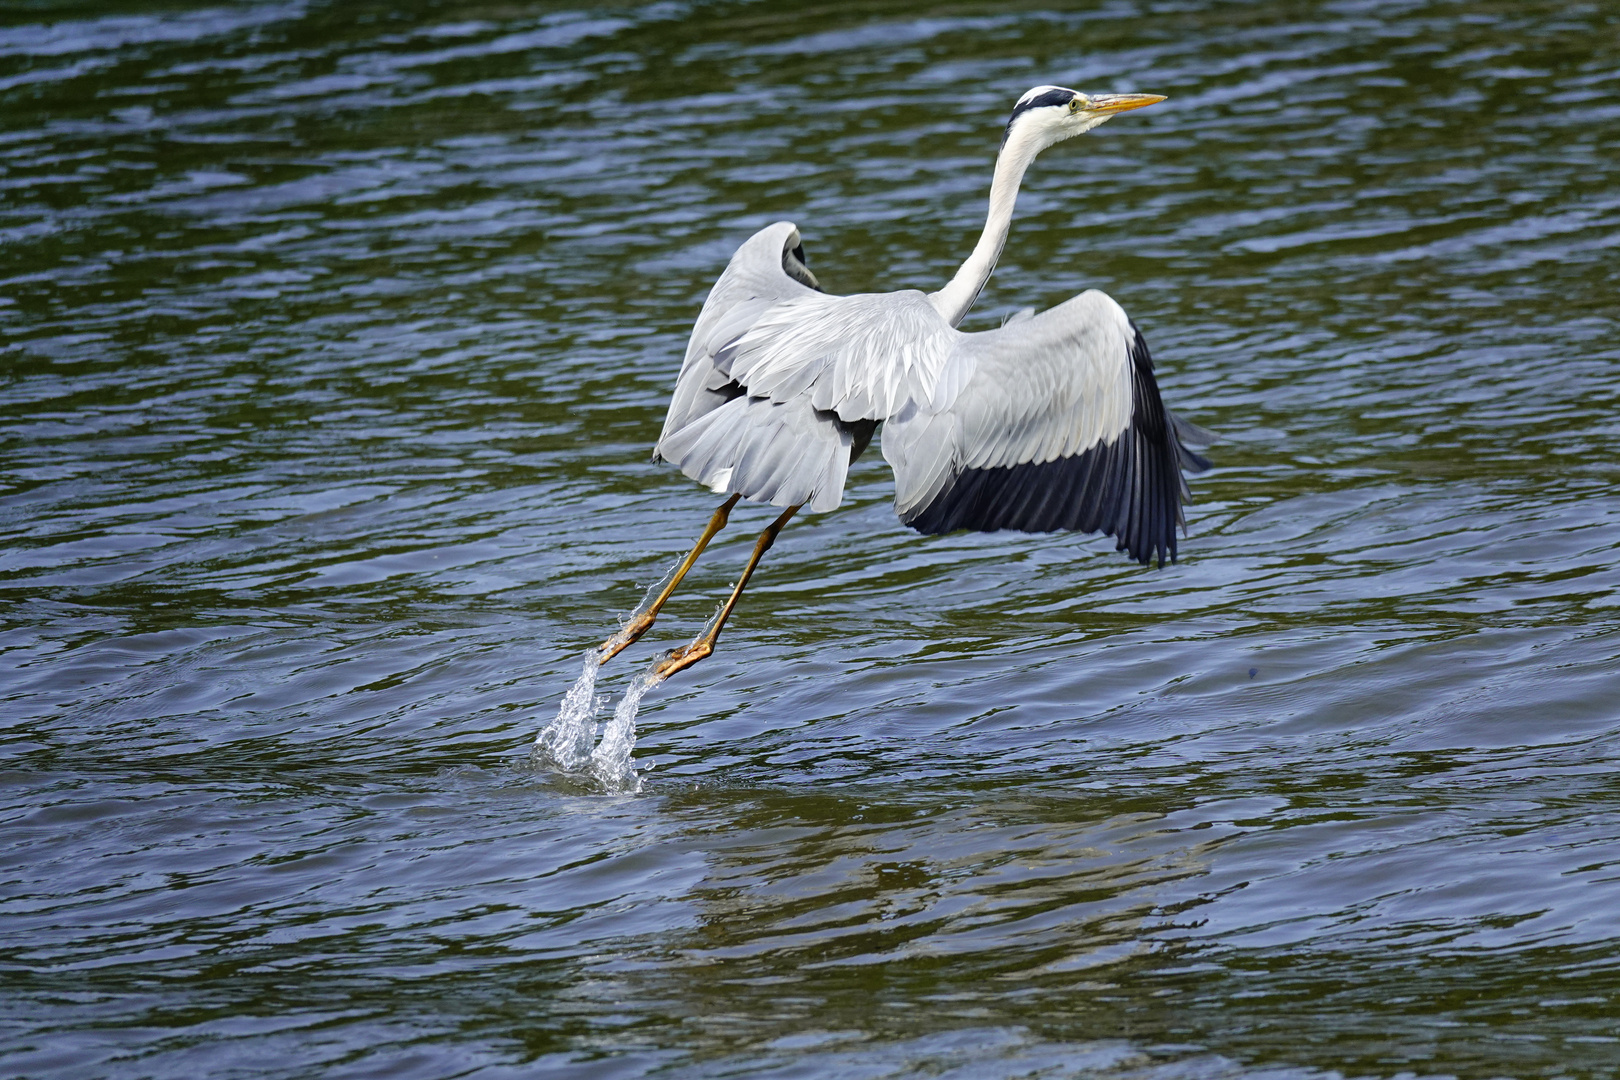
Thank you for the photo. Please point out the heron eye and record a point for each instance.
(1074, 104)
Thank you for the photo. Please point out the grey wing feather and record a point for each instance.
(861, 357)
(782, 453)
(1061, 427)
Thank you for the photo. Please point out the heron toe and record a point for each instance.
(681, 659)
(626, 637)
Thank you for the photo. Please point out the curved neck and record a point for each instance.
(954, 300)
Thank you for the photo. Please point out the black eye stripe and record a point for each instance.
(1051, 97)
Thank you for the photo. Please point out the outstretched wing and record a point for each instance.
(767, 269)
(1060, 427)
(730, 441)
(784, 385)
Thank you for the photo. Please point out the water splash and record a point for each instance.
(566, 741)
(610, 761)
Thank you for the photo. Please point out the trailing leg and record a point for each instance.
(642, 620)
(684, 658)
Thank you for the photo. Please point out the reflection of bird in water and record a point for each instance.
(1051, 422)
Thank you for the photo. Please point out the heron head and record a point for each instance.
(1050, 114)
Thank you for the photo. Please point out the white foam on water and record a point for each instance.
(566, 741)
(610, 761)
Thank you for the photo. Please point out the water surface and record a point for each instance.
(334, 338)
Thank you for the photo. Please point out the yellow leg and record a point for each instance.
(643, 619)
(681, 659)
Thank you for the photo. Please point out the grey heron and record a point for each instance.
(1050, 422)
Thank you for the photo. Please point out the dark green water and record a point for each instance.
(333, 340)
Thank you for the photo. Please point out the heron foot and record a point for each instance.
(626, 637)
(683, 658)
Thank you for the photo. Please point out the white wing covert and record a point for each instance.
(1060, 427)
(860, 357)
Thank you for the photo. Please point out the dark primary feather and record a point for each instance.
(1131, 489)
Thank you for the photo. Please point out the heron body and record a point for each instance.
(1052, 421)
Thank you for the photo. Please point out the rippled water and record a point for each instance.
(333, 340)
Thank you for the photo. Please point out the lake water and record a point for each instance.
(333, 341)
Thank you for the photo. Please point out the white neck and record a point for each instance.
(954, 300)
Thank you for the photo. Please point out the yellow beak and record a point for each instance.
(1117, 103)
